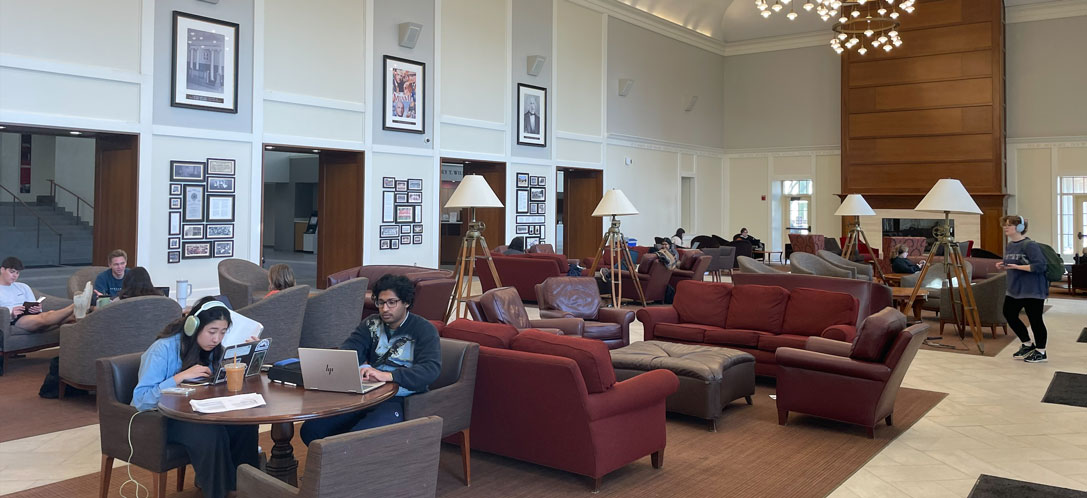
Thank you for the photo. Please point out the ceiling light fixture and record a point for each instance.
(877, 20)
(75, 132)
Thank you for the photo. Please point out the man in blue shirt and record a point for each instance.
(109, 282)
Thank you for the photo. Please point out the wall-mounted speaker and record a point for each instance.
(535, 64)
(689, 102)
(409, 34)
(625, 85)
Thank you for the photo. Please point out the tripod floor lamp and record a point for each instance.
(473, 192)
(855, 205)
(949, 196)
(615, 204)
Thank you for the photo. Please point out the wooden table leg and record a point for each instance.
(282, 464)
(917, 310)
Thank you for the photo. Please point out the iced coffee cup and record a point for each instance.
(235, 376)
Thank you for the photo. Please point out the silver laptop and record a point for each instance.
(333, 370)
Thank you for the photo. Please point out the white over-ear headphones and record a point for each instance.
(192, 322)
(1022, 226)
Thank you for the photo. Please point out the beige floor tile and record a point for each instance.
(916, 473)
(931, 489)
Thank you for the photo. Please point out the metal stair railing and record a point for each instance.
(53, 186)
(38, 235)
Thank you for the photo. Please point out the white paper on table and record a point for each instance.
(227, 403)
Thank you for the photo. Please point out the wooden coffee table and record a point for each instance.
(285, 405)
(900, 296)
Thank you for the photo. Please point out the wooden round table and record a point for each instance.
(286, 405)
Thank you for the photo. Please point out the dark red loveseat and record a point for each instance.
(756, 319)
(553, 400)
(521, 271)
(432, 287)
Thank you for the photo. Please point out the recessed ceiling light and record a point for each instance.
(268, 147)
(317, 151)
(2, 127)
(75, 132)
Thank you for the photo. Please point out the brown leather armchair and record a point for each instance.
(654, 278)
(853, 383)
(579, 297)
(503, 305)
(692, 266)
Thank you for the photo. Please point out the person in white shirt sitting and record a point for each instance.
(13, 294)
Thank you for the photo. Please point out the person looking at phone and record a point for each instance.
(14, 294)
(189, 348)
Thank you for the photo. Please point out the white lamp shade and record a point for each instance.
(948, 195)
(473, 191)
(614, 203)
(854, 205)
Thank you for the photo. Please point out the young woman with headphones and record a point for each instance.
(1027, 288)
(186, 349)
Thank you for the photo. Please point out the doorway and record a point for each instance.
(796, 207)
(1079, 208)
(454, 222)
(579, 231)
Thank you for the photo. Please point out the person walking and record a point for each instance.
(1027, 288)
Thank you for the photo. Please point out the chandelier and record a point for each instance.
(862, 24)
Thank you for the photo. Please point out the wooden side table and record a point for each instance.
(900, 296)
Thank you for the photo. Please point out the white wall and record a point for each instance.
(1046, 68)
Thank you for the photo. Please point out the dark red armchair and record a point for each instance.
(521, 271)
(579, 297)
(503, 305)
(854, 383)
(693, 265)
(653, 276)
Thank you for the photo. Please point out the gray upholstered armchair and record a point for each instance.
(934, 281)
(79, 279)
(126, 326)
(242, 282)
(358, 464)
(863, 271)
(749, 265)
(989, 296)
(450, 397)
(16, 340)
(281, 314)
(809, 264)
(332, 314)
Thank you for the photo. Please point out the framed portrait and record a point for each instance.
(531, 115)
(537, 194)
(219, 231)
(401, 185)
(540, 208)
(220, 166)
(194, 203)
(175, 203)
(522, 200)
(175, 189)
(388, 182)
(194, 231)
(417, 229)
(205, 64)
(522, 229)
(405, 240)
(223, 184)
(532, 180)
(389, 231)
(196, 250)
(415, 185)
(388, 207)
(174, 243)
(403, 95)
(522, 179)
(416, 239)
(223, 248)
(383, 244)
(220, 207)
(394, 243)
(415, 197)
(541, 181)
(418, 217)
(405, 229)
(186, 171)
(173, 256)
(402, 198)
(175, 223)
(532, 208)
(404, 214)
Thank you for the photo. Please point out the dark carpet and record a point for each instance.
(1067, 389)
(998, 487)
(24, 414)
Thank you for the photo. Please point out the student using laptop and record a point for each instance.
(189, 348)
(393, 345)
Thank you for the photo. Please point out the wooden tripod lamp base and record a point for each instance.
(472, 192)
(615, 203)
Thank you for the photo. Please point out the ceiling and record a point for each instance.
(739, 20)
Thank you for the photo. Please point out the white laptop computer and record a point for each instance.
(333, 370)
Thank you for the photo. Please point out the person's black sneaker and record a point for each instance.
(1035, 357)
(1024, 350)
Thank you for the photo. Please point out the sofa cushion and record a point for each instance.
(602, 330)
(875, 336)
(772, 342)
(704, 303)
(688, 332)
(810, 311)
(504, 305)
(734, 337)
(577, 296)
(494, 335)
(757, 307)
(592, 356)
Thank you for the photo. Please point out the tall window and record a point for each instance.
(1072, 213)
(796, 195)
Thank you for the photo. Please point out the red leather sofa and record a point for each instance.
(756, 319)
(433, 288)
(554, 401)
(521, 271)
(871, 297)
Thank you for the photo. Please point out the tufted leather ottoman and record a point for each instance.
(709, 377)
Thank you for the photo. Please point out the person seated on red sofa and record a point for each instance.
(516, 246)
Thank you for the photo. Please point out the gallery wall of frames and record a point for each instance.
(531, 209)
(401, 212)
(201, 210)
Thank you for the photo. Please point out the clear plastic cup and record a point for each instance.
(235, 376)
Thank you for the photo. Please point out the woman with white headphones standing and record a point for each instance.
(187, 349)
(1027, 288)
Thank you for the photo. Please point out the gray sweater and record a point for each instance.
(1026, 284)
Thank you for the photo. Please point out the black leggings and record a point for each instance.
(1034, 315)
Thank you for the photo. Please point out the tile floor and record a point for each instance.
(992, 422)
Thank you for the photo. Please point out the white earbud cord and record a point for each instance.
(131, 453)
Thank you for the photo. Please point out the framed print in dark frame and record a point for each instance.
(174, 243)
(173, 256)
(193, 231)
(389, 231)
(196, 250)
(220, 207)
(416, 239)
(531, 115)
(221, 184)
(175, 189)
(175, 203)
(522, 179)
(209, 80)
(219, 231)
(175, 223)
(403, 95)
(194, 203)
(415, 185)
(388, 182)
(186, 171)
(223, 249)
(220, 166)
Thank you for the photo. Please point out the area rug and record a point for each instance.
(25, 414)
(953, 344)
(998, 487)
(750, 455)
(1067, 389)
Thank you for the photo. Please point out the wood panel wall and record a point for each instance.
(116, 197)
(932, 108)
(340, 202)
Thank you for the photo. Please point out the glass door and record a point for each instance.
(1079, 207)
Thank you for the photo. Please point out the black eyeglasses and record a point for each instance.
(392, 303)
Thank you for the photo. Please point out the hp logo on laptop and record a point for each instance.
(328, 369)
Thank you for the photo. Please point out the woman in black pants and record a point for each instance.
(1027, 288)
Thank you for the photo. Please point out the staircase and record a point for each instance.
(30, 238)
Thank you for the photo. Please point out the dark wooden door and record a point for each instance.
(340, 200)
(493, 218)
(116, 187)
(582, 191)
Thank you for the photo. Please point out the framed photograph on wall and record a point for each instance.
(522, 229)
(196, 250)
(175, 189)
(388, 207)
(416, 239)
(220, 207)
(175, 223)
(522, 179)
(531, 115)
(405, 240)
(389, 231)
(173, 256)
(532, 208)
(418, 217)
(194, 203)
(186, 171)
(388, 182)
(531, 241)
(222, 184)
(383, 244)
(532, 181)
(219, 231)
(205, 64)
(404, 214)
(405, 229)
(403, 95)
(537, 194)
(175, 203)
(415, 197)
(402, 198)
(522, 200)
(401, 185)
(541, 181)
(195, 231)
(174, 243)
(394, 243)
(415, 185)
(220, 166)
(224, 249)
(417, 229)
